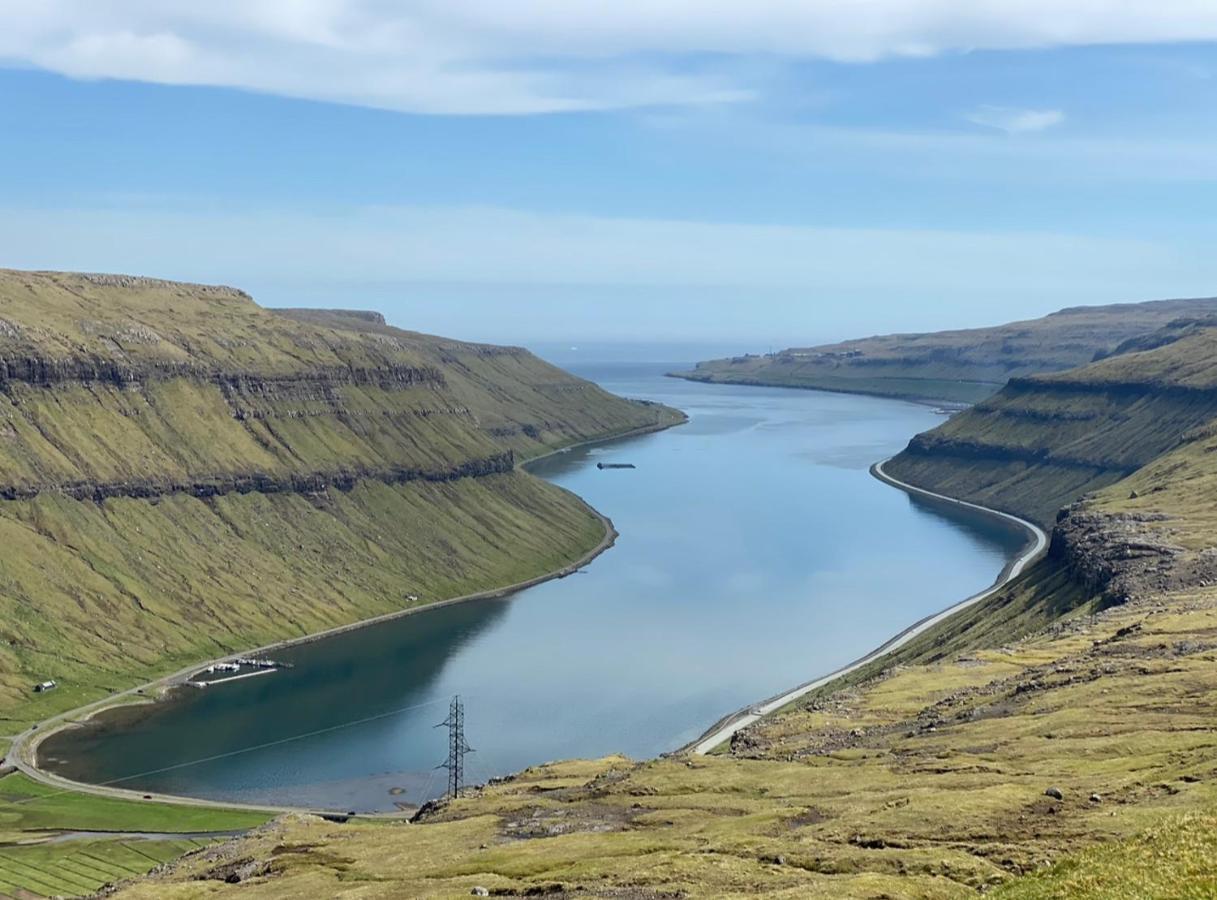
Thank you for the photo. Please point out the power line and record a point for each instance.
(275, 743)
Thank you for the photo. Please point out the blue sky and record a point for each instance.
(776, 172)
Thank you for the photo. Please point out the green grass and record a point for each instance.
(83, 867)
(1176, 859)
(29, 806)
(30, 811)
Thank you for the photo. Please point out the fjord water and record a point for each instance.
(756, 552)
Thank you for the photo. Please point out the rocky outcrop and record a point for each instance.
(929, 444)
(46, 372)
(1123, 557)
(260, 482)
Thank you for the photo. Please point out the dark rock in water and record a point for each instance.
(603, 465)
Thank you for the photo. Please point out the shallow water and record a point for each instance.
(756, 552)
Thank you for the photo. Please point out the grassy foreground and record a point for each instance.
(928, 781)
(32, 815)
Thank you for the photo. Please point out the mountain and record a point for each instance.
(959, 366)
(184, 474)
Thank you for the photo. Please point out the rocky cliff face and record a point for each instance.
(1041, 443)
(1126, 556)
(1123, 448)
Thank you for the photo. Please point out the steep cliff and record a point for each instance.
(965, 365)
(185, 473)
(1043, 442)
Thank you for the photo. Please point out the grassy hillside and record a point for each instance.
(184, 474)
(960, 366)
(1044, 441)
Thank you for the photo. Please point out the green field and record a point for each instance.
(28, 807)
(31, 813)
(83, 867)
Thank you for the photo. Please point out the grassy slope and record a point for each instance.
(101, 596)
(922, 778)
(139, 384)
(1042, 442)
(528, 405)
(962, 366)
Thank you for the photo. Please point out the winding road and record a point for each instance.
(725, 728)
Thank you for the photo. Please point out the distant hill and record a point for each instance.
(959, 366)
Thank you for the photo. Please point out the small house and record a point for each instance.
(44, 687)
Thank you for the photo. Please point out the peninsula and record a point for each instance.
(958, 367)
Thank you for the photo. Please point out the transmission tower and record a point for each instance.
(457, 748)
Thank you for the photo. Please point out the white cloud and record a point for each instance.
(526, 56)
(1016, 121)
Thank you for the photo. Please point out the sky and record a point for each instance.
(751, 174)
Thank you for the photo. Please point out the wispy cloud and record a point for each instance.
(530, 56)
(498, 245)
(1013, 120)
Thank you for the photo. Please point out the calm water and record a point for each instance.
(756, 552)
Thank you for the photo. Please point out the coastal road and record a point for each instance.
(1036, 546)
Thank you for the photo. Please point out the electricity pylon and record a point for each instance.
(457, 747)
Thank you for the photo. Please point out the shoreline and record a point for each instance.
(725, 728)
(23, 752)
